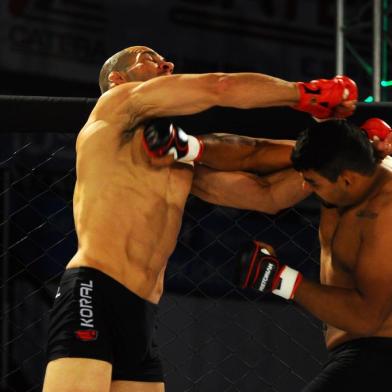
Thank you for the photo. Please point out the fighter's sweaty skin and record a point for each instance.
(340, 238)
(127, 213)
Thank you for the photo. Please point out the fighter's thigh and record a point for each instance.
(135, 386)
(77, 375)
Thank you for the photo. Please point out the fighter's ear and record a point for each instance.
(348, 177)
(116, 77)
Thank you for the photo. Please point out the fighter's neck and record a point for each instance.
(371, 188)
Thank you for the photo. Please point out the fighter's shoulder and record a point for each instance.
(385, 202)
(384, 197)
(117, 93)
(377, 214)
(113, 110)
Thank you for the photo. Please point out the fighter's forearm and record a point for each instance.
(243, 190)
(224, 151)
(286, 188)
(233, 189)
(342, 308)
(252, 90)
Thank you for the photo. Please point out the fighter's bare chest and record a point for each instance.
(340, 239)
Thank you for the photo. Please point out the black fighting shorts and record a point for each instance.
(358, 365)
(96, 317)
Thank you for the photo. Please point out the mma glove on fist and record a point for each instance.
(161, 138)
(379, 134)
(321, 97)
(376, 129)
(258, 269)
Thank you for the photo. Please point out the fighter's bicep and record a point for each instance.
(175, 95)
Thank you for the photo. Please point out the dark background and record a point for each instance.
(213, 337)
(56, 47)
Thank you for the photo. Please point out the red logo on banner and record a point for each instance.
(17, 7)
(87, 335)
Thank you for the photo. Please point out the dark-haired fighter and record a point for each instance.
(349, 169)
(354, 297)
(128, 212)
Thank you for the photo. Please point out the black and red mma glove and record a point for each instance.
(161, 137)
(258, 269)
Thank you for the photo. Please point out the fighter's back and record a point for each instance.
(127, 212)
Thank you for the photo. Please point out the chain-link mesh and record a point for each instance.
(213, 337)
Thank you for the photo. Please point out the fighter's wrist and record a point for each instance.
(295, 93)
(289, 280)
(195, 149)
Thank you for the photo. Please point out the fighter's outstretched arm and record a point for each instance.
(224, 151)
(191, 93)
(268, 194)
(234, 152)
(129, 104)
(175, 95)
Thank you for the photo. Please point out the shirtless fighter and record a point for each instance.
(128, 212)
(354, 299)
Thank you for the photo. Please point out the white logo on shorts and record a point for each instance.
(85, 305)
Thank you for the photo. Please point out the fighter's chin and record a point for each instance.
(326, 204)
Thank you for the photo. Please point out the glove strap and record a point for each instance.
(195, 149)
(288, 282)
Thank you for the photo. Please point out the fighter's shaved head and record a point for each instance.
(119, 62)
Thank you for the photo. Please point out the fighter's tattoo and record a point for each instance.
(367, 214)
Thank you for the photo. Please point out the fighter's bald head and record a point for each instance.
(119, 62)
